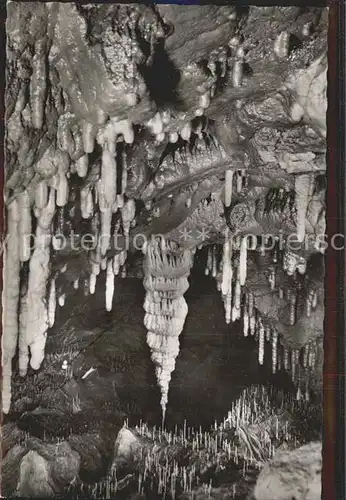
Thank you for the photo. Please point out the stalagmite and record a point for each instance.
(76, 284)
(302, 188)
(109, 285)
(24, 225)
(86, 202)
(37, 325)
(88, 134)
(286, 358)
(239, 179)
(237, 73)
(228, 187)
(281, 44)
(166, 268)
(51, 303)
(10, 300)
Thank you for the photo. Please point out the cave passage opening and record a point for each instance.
(215, 364)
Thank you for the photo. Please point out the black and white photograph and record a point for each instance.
(164, 256)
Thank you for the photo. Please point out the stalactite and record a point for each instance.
(89, 134)
(246, 322)
(23, 348)
(82, 165)
(228, 187)
(61, 299)
(293, 300)
(243, 261)
(109, 285)
(124, 174)
(62, 190)
(214, 261)
(10, 301)
(38, 84)
(116, 264)
(293, 364)
(267, 334)
(305, 356)
(302, 188)
(166, 268)
(37, 324)
(103, 264)
(272, 278)
(237, 298)
(86, 202)
(41, 194)
(186, 132)
(128, 213)
(239, 181)
(226, 279)
(24, 225)
(51, 303)
(314, 299)
(286, 358)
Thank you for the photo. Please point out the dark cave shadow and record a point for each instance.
(161, 77)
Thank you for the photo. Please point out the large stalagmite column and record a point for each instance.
(166, 269)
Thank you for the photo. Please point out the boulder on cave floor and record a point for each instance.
(34, 477)
(126, 449)
(46, 469)
(294, 474)
(10, 469)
